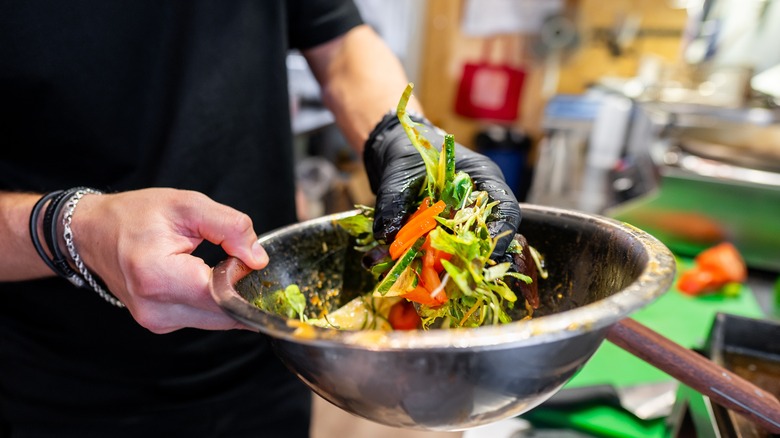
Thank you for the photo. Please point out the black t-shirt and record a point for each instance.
(120, 95)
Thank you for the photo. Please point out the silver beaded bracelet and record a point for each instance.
(67, 234)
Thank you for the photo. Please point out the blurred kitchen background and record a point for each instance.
(660, 113)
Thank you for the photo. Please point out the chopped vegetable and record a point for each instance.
(416, 228)
(289, 302)
(403, 316)
(397, 269)
(428, 153)
(725, 261)
(696, 281)
(424, 204)
(422, 295)
(361, 227)
(713, 269)
(361, 313)
(446, 174)
(433, 257)
(432, 283)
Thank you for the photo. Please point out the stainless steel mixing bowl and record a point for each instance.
(600, 271)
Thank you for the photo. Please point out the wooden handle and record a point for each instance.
(719, 384)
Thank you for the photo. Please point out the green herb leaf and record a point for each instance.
(288, 302)
(296, 300)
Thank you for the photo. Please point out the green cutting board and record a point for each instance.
(684, 319)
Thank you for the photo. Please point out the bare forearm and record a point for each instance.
(19, 261)
(361, 80)
(139, 243)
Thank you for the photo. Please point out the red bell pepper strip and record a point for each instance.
(428, 290)
(433, 285)
(433, 256)
(403, 316)
(713, 268)
(430, 279)
(696, 281)
(421, 295)
(723, 260)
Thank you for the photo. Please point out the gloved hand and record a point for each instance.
(396, 173)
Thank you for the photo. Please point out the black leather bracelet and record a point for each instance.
(34, 215)
(50, 229)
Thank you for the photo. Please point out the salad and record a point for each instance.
(437, 272)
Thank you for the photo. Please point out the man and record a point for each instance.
(177, 110)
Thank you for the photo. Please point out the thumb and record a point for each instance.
(234, 232)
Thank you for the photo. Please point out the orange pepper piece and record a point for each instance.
(417, 227)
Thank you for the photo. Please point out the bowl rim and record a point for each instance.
(654, 280)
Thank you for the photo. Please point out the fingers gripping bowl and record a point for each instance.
(600, 271)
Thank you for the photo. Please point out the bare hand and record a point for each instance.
(140, 244)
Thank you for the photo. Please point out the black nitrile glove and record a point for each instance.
(396, 173)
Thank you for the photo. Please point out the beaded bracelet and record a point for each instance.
(67, 234)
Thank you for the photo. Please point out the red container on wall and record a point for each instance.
(490, 90)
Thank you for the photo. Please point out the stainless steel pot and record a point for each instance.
(600, 271)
